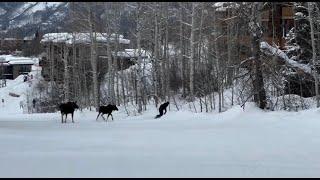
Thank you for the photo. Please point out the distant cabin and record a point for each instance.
(11, 66)
(76, 48)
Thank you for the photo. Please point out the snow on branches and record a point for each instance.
(273, 51)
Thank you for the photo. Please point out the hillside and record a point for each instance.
(20, 19)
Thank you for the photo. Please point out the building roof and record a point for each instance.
(10, 39)
(28, 38)
(22, 62)
(131, 53)
(14, 60)
(70, 38)
(4, 64)
(223, 6)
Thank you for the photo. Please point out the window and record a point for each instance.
(24, 68)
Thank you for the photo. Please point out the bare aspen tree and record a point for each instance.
(111, 72)
(192, 48)
(181, 44)
(166, 62)
(163, 51)
(139, 70)
(66, 86)
(314, 56)
(216, 62)
(156, 54)
(112, 16)
(256, 33)
(93, 59)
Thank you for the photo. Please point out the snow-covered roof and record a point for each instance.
(132, 53)
(10, 38)
(25, 61)
(14, 60)
(4, 64)
(70, 38)
(28, 38)
(223, 6)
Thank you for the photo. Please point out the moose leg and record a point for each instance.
(108, 116)
(103, 117)
(111, 117)
(98, 116)
(61, 118)
(65, 120)
(72, 117)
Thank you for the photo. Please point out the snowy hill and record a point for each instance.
(23, 18)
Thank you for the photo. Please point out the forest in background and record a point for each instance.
(196, 52)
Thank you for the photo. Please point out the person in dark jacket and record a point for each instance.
(162, 109)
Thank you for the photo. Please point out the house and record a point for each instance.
(277, 19)
(76, 48)
(74, 51)
(13, 66)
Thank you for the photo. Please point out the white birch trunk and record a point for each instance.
(156, 58)
(314, 56)
(139, 73)
(66, 76)
(192, 51)
(93, 60)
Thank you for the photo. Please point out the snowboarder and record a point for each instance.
(163, 107)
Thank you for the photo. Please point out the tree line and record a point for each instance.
(203, 51)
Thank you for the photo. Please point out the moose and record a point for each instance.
(68, 108)
(107, 110)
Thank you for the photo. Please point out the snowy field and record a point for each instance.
(235, 143)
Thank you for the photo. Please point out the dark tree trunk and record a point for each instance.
(258, 84)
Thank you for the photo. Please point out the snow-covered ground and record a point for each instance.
(235, 143)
